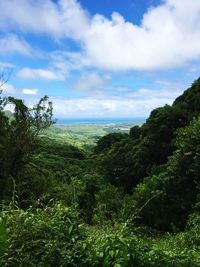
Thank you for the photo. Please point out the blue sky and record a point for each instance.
(103, 58)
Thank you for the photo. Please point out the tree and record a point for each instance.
(19, 136)
(135, 132)
(129, 161)
(174, 191)
(106, 142)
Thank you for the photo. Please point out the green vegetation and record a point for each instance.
(83, 136)
(101, 198)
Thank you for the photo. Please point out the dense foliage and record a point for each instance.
(49, 236)
(132, 200)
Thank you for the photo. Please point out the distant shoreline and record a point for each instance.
(96, 122)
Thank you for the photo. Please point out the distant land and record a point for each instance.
(99, 121)
(84, 132)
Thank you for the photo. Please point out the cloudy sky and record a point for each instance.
(100, 58)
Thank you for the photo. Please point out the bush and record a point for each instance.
(124, 247)
(108, 202)
(52, 236)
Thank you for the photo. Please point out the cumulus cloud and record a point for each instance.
(168, 36)
(11, 43)
(90, 107)
(30, 91)
(43, 74)
(57, 69)
(137, 104)
(65, 19)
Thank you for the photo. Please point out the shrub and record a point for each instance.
(123, 247)
(52, 236)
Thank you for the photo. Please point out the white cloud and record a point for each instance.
(91, 82)
(67, 18)
(133, 104)
(168, 37)
(43, 74)
(6, 66)
(150, 94)
(111, 107)
(28, 91)
(66, 61)
(11, 43)
(165, 39)
(58, 68)
(8, 88)
(136, 104)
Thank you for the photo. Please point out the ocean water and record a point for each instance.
(99, 121)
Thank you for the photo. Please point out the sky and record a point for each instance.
(100, 58)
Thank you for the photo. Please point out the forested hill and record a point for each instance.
(131, 201)
(149, 146)
(146, 153)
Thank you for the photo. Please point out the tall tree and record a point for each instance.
(19, 135)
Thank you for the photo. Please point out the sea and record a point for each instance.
(99, 121)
